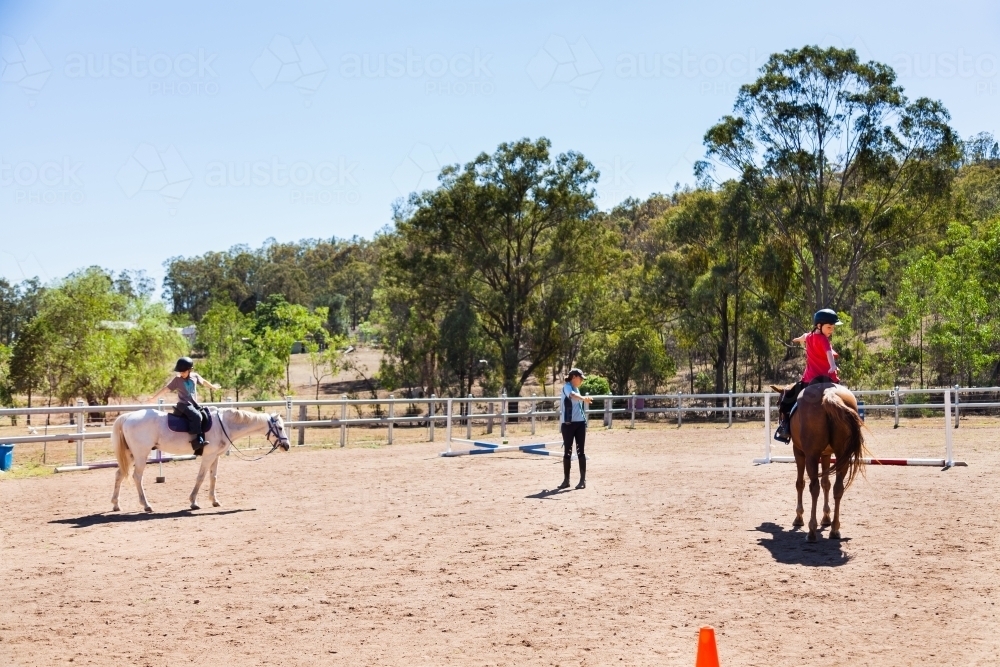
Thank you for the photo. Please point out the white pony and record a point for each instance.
(136, 434)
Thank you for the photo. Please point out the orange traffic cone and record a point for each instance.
(708, 656)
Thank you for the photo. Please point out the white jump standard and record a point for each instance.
(947, 462)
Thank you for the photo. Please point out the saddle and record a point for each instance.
(178, 422)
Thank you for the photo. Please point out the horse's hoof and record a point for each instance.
(827, 521)
(216, 503)
(834, 534)
(195, 506)
(116, 509)
(812, 536)
(149, 509)
(798, 523)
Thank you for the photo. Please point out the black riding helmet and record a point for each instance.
(575, 371)
(826, 316)
(183, 364)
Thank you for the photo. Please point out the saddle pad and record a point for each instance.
(180, 425)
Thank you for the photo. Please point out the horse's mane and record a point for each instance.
(243, 417)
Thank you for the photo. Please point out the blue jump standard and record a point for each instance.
(493, 445)
(493, 448)
(490, 448)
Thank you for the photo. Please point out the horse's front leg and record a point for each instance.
(212, 476)
(812, 467)
(800, 485)
(197, 482)
(825, 459)
(140, 466)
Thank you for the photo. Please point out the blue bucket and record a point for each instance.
(6, 457)
(861, 410)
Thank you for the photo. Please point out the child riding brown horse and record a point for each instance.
(825, 423)
(821, 366)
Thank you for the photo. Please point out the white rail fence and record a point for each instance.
(500, 411)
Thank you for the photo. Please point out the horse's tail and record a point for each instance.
(122, 452)
(851, 459)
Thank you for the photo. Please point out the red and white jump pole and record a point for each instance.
(936, 463)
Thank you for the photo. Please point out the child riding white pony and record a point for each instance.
(136, 434)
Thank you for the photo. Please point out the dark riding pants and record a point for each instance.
(193, 416)
(574, 431)
(790, 397)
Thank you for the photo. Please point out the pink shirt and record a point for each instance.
(817, 362)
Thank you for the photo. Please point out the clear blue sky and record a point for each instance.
(133, 132)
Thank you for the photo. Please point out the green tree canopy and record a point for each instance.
(842, 166)
(95, 337)
(512, 233)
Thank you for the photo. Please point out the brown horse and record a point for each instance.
(825, 423)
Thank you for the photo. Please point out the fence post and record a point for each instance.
(489, 420)
(895, 403)
(956, 405)
(730, 408)
(343, 420)
(533, 404)
(430, 420)
(302, 429)
(632, 423)
(392, 412)
(503, 413)
(607, 413)
(468, 419)
(288, 408)
(680, 410)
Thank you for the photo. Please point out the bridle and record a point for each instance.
(279, 440)
(272, 430)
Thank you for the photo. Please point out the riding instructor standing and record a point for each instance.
(186, 385)
(574, 426)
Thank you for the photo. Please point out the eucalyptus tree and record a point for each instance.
(703, 270)
(843, 167)
(514, 232)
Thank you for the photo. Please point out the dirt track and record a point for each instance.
(395, 556)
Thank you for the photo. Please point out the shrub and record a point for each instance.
(595, 385)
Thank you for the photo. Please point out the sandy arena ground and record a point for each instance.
(394, 556)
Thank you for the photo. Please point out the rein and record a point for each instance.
(239, 453)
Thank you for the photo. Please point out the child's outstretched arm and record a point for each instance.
(161, 392)
(207, 383)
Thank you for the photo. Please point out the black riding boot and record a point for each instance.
(583, 472)
(783, 434)
(567, 464)
(199, 444)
